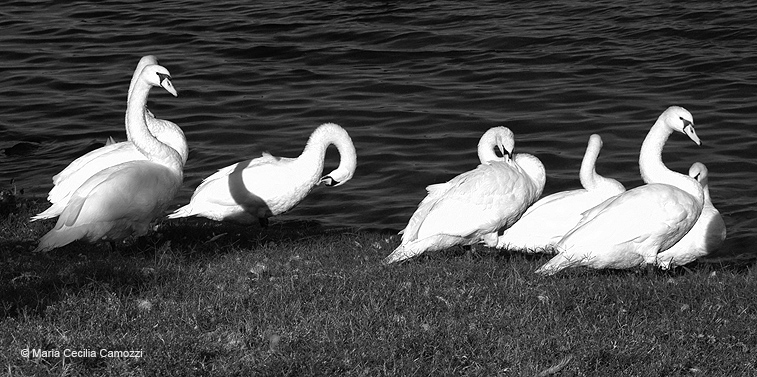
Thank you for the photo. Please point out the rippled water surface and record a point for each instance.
(414, 83)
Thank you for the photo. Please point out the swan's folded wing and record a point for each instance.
(130, 190)
(640, 213)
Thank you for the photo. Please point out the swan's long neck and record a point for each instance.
(140, 135)
(313, 155)
(653, 170)
(486, 152)
(588, 172)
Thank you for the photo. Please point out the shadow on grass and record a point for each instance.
(30, 282)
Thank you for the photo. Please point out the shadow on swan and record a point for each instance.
(253, 190)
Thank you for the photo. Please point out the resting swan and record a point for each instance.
(123, 199)
(84, 167)
(550, 218)
(474, 205)
(254, 190)
(707, 234)
(629, 229)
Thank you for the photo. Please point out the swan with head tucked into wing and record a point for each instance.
(630, 229)
(475, 205)
(707, 234)
(80, 170)
(122, 200)
(551, 217)
(254, 190)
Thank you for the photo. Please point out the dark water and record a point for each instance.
(414, 83)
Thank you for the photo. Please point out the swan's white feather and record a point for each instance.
(121, 200)
(705, 237)
(267, 186)
(86, 166)
(628, 230)
(469, 207)
(551, 217)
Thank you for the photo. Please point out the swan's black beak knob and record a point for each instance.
(328, 181)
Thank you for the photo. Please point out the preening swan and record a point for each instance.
(253, 190)
(474, 205)
(550, 218)
(629, 229)
(707, 234)
(123, 199)
(84, 167)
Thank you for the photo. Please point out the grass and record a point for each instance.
(209, 299)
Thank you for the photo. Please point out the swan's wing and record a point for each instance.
(478, 201)
(81, 169)
(549, 201)
(84, 162)
(114, 203)
(661, 212)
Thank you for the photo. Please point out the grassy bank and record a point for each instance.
(201, 298)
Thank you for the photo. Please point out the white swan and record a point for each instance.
(253, 190)
(705, 237)
(474, 205)
(123, 199)
(84, 167)
(629, 229)
(550, 218)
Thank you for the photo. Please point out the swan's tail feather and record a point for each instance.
(185, 211)
(399, 254)
(418, 247)
(47, 214)
(558, 263)
(60, 237)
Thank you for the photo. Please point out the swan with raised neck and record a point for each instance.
(630, 229)
(80, 170)
(136, 123)
(165, 131)
(254, 190)
(651, 166)
(123, 199)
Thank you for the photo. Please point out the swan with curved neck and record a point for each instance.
(84, 167)
(552, 216)
(254, 190)
(474, 205)
(122, 200)
(707, 234)
(629, 229)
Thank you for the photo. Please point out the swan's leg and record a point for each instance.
(263, 222)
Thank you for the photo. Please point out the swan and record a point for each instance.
(123, 199)
(254, 190)
(474, 205)
(707, 234)
(84, 167)
(550, 218)
(629, 229)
